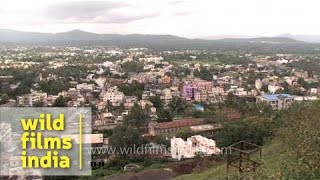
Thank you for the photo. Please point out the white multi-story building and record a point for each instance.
(129, 101)
(28, 100)
(241, 92)
(218, 90)
(109, 64)
(258, 84)
(153, 59)
(147, 94)
(194, 145)
(273, 88)
(166, 96)
(291, 80)
(200, 95)
(114, 96)
(276, 101)
(313, 91)
(85, 87)
(144, 103)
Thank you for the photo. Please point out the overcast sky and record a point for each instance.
(187, 18)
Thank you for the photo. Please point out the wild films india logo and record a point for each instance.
(45, 141)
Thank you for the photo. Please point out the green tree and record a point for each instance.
(156, 101)
(38, 104)
(132, 66)
(61, 101)
(133, 89)
(254, 129)
(184, 133)
(137, 117)
(301, 135)
(125, 136)
(107, 132)
(53, 87)
(4, 98)
(164, 115)
(178, 106)
(22, 89)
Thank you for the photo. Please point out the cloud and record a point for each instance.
(182, 8)
(120, 18)
(2, 10)
(177, 2)
(189, 18)
(97, 12)
(183, 13)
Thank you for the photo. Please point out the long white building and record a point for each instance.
(194, 145)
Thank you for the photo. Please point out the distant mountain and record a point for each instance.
(75, 35)
(7, 35)
(306, 38)
(83, 38)
(230, 36)
(271, 40)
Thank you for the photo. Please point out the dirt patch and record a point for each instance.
(154, 174)
(194, 165)
(174, 169)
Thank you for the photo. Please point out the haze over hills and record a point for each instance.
(300, 37)
(7, 35)
(79, 37)
(232, 36)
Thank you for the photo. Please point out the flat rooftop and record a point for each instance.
(274, 97)
(205, 127)
(179, 123)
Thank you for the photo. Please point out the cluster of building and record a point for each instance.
(195, 145)
(101, 89)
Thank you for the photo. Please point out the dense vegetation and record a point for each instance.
(290, 140)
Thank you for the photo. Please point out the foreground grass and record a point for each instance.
(105, 173)
(272, 155)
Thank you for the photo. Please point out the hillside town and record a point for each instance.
(159, 90)
(182, 98)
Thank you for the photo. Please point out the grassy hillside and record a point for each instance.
(292, 151)
(273, 154)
